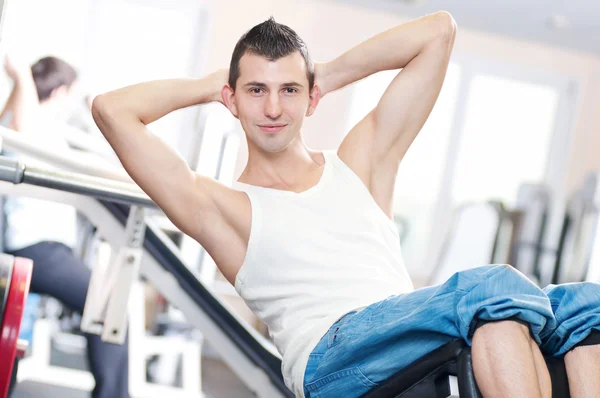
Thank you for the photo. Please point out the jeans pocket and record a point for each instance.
(346, 383)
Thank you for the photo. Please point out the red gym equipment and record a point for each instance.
(15, 277)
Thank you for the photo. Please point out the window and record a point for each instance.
(506, 138)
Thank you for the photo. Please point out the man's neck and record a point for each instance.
(294, 169)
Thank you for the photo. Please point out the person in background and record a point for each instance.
(45, 231)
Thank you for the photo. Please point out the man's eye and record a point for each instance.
(256, 90)
(290, 90)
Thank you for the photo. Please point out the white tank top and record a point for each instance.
(313, 257)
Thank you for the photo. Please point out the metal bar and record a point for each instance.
(11, 170)
(86, 186)
(17, 172)
(65, 159)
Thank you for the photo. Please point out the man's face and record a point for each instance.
(271, 100)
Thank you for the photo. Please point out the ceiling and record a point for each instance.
(533, 20)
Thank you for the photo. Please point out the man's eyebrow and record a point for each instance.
(292, 84)
(263, 85)
(255, 84)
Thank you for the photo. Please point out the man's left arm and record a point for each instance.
(377, 144)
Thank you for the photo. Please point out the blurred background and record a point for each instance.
(517, 124)
(519, 104)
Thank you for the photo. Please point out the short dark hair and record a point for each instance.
(271, 40)
(49, 73)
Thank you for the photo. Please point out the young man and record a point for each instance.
(308, 240)
(46, 231)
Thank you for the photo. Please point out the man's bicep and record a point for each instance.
(409, 99)
(383, 136)
(186, 197)
(223, 228)
(154, 166)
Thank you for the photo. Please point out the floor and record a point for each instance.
(218, 381)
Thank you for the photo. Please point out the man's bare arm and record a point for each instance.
(377, 144)
(188, 199)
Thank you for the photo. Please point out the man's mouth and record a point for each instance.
(271, 128)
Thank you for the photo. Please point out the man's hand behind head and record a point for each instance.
(321, 78)
(218, 80)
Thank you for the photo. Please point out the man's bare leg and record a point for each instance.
(507, 362)
(583, 371)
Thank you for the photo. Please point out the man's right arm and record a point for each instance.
(199, 206)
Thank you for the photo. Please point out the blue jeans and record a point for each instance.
(364, 348)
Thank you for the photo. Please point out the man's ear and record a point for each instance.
(315, 97)
(228, 95)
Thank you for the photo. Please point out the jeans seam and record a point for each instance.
(321, 382)
(370, 383)
(552, 304)
(558, 331)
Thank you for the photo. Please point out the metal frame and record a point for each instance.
(592, 188)
(114, 233)
(37, 367)
(106, 304)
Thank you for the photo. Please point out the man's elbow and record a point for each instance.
(106, 114)
(106, 111)
(99, 108)
(446, 24)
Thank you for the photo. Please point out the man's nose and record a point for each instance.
(273, 106)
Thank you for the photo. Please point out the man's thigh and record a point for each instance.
(367, 347)
(390, 335)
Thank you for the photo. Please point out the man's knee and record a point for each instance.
(501, 329)
(500, 292)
